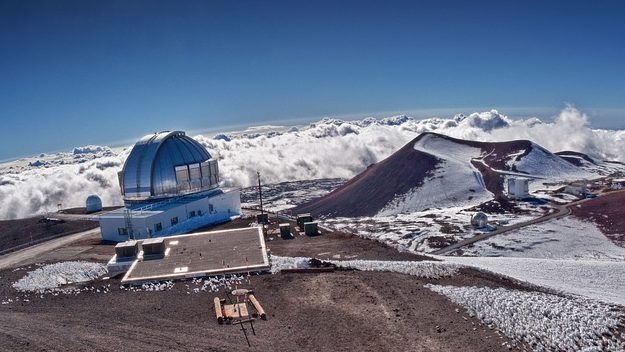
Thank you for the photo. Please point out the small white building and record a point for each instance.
(518, 188)
(578, 188)
(170, 186)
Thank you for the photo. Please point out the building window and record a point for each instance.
(199, 213)
(174, 220)
(122, 231)
(182, 178)
(158, 227)
(195, 175)
(214, 171)
(192, 214)
(182, 173)
(210, 208)
(206, 174)
(194, 172)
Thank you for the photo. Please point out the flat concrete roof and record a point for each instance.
(204, 254)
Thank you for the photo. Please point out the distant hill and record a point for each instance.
(434, 170)
(576, 158)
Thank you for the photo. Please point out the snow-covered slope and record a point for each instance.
(540, 162)
(593, 166)
(566, 238)
(602, 280)
(373, 189)
(456, 182)
(434, 171)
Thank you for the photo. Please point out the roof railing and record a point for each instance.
(151, 206)
(157, 204)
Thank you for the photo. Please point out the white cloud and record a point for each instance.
(39, 189)
(91, 149)
(570, 130)
(336, 148)
(328, 148)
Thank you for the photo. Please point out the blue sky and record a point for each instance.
(95, 72)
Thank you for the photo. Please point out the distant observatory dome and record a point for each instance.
(479, 220)
(167, 164)
(93, 204)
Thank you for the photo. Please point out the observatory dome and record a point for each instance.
(93, 204)
(479, 220)
(167, 164)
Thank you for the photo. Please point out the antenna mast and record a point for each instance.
(260, 193)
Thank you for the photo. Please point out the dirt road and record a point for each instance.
(13, 259)
(562, 210)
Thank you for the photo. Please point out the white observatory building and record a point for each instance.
(518, 188)
(170, 185)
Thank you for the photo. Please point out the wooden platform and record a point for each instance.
(238, 310)
(204, 254)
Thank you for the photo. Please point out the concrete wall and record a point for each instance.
(109, 226)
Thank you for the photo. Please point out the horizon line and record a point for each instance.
(417, 113)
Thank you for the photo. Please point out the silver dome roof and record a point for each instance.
(167, 164)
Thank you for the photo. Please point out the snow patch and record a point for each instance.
(566, 238)
(53, 276)
(545, 322)
(425, 231)
(424, 269)
(602, 280)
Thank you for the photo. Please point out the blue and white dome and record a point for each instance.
(93, 204)
(479, 220)
(167, 164)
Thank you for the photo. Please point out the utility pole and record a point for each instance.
(260, 193)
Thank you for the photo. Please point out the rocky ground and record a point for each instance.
(339, 311)
(607, 212)
(330, 245)
(16, 233)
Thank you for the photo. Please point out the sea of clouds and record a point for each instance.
(329, 148)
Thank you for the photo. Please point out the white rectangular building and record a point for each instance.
(173, 216)
(518, 188)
